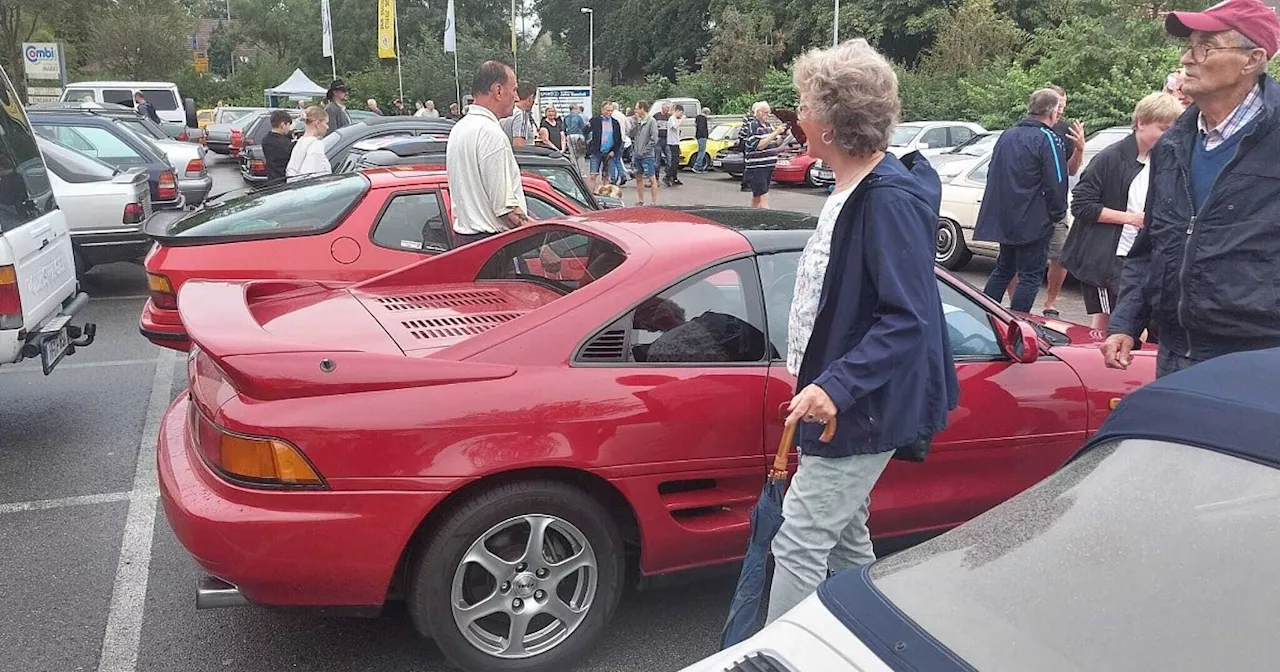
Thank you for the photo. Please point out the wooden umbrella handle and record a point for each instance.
(789, 439)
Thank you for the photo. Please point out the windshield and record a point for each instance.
(561, 259)
(979, 146)
(722, 132)
(562, 180)
(242, 122)
(142, 127)
(307, 206)
(72, 166)
(1140, 555)
(903, 134)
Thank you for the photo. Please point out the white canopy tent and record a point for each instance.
(297, 87)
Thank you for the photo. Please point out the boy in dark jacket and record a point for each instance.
(278, 146)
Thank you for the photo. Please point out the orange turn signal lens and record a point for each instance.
(266, 460)
(8, 275)
(159, 283)
(1115, 401)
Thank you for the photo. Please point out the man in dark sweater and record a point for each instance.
(663, 116)
(1204, 267)
(278, 146)
(700, 133)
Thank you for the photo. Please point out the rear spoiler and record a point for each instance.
(261, 365)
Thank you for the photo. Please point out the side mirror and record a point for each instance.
(1020, 342)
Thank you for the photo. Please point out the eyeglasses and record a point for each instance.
(1200, 52)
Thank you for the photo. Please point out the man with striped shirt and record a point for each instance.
(761, 145)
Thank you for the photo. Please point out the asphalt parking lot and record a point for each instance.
(92, 578)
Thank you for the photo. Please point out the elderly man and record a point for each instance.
(1026, 195)
(1204, 267)
(761, 144)
(484, 179)
(336, 106)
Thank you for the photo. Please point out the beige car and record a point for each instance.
(961, 199)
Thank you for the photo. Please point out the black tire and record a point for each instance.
(189, 112)
(430, 600)
(949, 250)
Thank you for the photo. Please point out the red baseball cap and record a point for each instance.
(1251, 18)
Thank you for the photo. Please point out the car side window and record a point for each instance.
(25, 191)
(706, 319)
(80, 96)
(118, 97)
(968, 325)
(561, 179)
(935, 138)
(413, 222)
(99, 143)
(542, 209)
(960, 135)
(979, 173)
(778, 279)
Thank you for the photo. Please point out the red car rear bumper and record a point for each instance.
(163, 328)
(792, 173)
(313, 548)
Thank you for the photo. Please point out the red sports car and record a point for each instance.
(796, 166)
(498, 433)
(343, 228)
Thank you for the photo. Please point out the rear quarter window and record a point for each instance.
(299, 208)
(162, 99)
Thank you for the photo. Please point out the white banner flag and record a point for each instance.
(450, 33)
(326, 28)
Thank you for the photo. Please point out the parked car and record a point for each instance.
(504, 432)
(718, 138)
(959, 159)
(164, 96)
(194, 180)
(339, 228)
(337, 144)
(39, 294)
(1100, 140)
(204, 118)
(254, 129)
(931, 137)
(109, 141)
(555, 167)
(106, 209)
(797, 166)
(1089, 569)
(220, 133)
(729, 160)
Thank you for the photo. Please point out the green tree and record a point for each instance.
(743, 47)
(142, 39)
(975, 38)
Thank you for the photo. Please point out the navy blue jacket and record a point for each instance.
(1210, 281)
(879, 346)
(594, 129)
(1026, 186)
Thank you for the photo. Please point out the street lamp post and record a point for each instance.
(591, 53)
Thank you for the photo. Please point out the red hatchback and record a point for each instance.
(497, 433)
(343, 228)
(798, 167)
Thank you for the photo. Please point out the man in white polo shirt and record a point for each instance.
(484, 179)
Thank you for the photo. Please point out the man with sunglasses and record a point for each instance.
(1205, 269)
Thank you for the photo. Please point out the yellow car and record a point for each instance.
(204, 118)
(723, 135)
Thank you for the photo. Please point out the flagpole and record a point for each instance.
(399, 71)
(515, 56)
(457, 83)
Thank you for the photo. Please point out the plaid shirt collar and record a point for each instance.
(1245, 112)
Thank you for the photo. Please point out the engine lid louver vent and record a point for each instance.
(607, 346)
(456, 326)
(468, 298)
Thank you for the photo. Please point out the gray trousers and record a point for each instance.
(824, 525)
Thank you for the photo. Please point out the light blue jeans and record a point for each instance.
(824, 525)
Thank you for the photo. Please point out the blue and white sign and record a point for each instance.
(40, 60)
(561, 98)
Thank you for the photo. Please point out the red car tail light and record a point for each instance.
(168, 189)
(161, 292)
(10, 301)
(133, 213)
(250, 460)
(258, 167)
(195, 166)
(183, 137)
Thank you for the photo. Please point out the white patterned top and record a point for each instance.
(810, 273)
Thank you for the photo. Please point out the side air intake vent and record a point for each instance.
(607, 346)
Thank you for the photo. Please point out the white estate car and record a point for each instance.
(39, 295)
(931, 137)
(106, 210)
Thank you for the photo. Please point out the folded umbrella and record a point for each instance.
(766, 519)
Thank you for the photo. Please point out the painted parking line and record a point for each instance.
(128, 597)
(82, 500)
(71, 366)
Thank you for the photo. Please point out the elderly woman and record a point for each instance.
(308, 157)
(867, 340)
(1108, 206)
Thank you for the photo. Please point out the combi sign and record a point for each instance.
(40, 60)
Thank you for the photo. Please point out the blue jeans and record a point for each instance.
(700, 160)
(1028, 262)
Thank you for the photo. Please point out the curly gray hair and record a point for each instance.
(854, 89)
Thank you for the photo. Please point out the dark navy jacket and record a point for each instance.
(1026, 186)
(879, 346)
(1210, 281)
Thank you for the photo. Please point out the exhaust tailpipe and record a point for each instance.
(214, 593)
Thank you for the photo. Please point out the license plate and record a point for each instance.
(826, 175)
(55, 345)
(717, 163)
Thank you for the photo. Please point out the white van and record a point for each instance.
(39, 295)
(163, 95)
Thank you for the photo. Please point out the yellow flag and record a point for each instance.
(386, 28)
